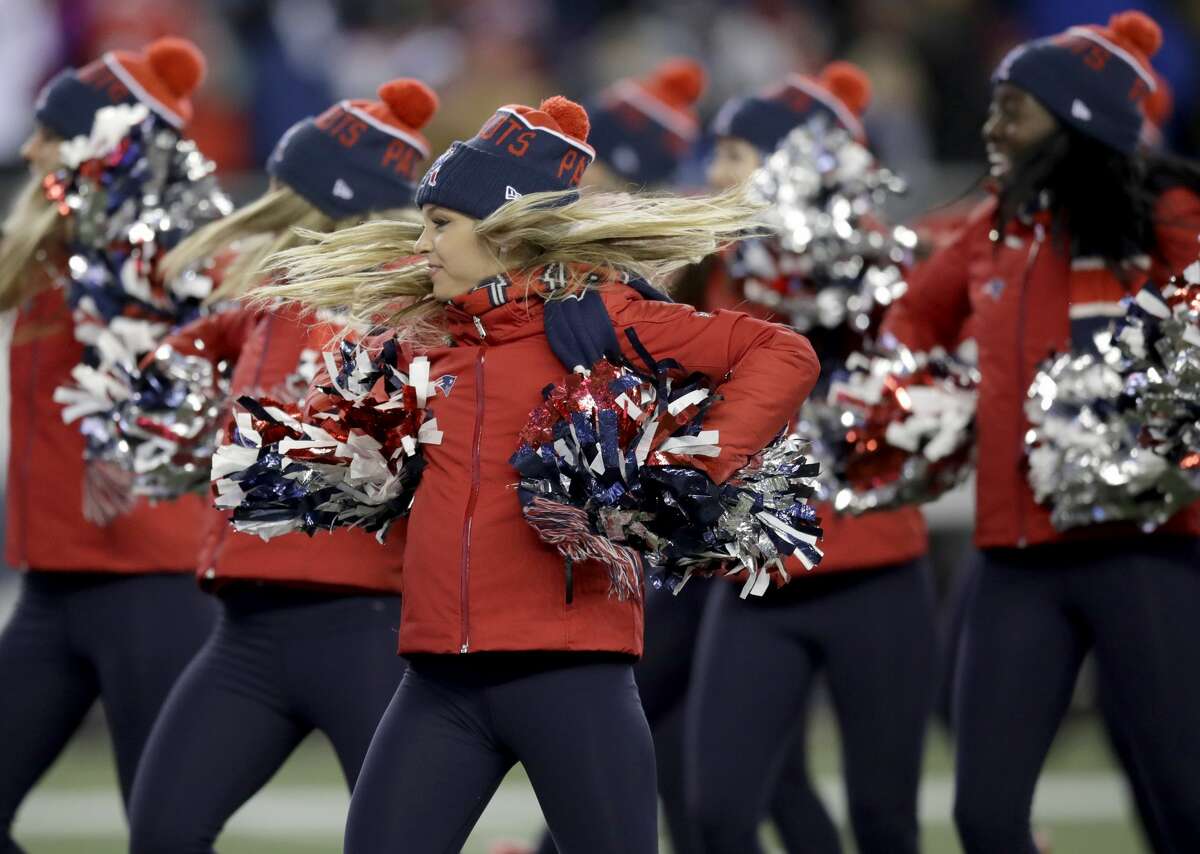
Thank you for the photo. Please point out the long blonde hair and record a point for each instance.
(647, 235)
(272, 224)
(31, 226)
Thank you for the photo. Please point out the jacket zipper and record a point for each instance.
(1023, 387)
(472, 498)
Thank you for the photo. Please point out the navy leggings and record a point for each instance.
(76, 637)
(872, 633)
(1034, 615)
(457, 725)
(281, 663)
(663, 675)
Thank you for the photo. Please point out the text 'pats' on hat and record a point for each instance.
(163, 76)
(359, 156)
(841, 93)
(1093, 79)
(642, 127)
(519, 150)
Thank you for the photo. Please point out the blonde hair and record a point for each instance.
(31, 226)
(646, 235)
(271, 224)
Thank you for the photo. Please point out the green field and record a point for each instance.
(1081, 802)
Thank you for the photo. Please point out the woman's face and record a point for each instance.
(458, 260)
(1016, 125)
(733, 163)
(40, 151)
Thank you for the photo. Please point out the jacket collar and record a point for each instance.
(505, 307)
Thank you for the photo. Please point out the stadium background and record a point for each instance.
(274, 61)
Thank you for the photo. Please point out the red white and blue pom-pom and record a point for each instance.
(356, 463)
(604, 478)
(160, 422)
(132, 190)
(894, 429)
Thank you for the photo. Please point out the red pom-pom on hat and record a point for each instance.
(571, 118)
(1137, 30)
(411, 102)
(678, 82)
(849, 84)
(178, 63)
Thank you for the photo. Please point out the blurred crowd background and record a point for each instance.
(275, 61)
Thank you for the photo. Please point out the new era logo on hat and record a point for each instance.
(519, 150)
(1080, 110)
(342, 190)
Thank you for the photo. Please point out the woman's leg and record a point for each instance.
(1020, 656)
(432, 767)
(1143, 605)
(803, 823)
(745, 708)
(880, 653)
(223, 733)
(46, 689)
(142, 632)
(580, 732)
(346, 671)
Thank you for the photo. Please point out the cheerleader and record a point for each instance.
(503, 667)
(864, 618)
(1079, 218)
(305, 639)
(107, 609)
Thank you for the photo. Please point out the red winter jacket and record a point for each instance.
(1017, 304)
(850, 542)
(477, 577)
(265, 348)
(46, 529)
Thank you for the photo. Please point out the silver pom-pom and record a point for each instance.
(1085, 459)
(828, 261)
(1156, 349)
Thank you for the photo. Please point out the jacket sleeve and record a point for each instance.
(216, 337)
(762, 371)
(937, 304)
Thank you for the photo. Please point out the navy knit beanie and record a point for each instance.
(519, 150)
(1093, 79)
(163, 77)
(359, 156)
(642, 128)
(840, 92)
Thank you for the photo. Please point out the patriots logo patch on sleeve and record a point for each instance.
(445, 383)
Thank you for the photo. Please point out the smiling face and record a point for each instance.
(1016, 125)
(458, 260)
(734, 161)
(41, 151)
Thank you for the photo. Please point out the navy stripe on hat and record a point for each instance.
(346, 162)
(510, 157)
